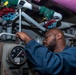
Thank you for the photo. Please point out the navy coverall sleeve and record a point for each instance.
(43, 60)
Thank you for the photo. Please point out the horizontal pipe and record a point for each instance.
(66, 25)
(6, 34)
(69, 36)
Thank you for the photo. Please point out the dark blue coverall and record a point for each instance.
(46, 62)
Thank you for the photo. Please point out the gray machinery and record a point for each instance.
(13, 56)
(13, 59)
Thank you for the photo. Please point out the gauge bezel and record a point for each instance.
(12, 60)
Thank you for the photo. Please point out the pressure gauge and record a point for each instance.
(17, 55)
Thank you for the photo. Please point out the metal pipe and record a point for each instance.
(23, 23)
(9, 30)
(6, 34)
(20, 20)
(26, 4)
(29, 19)
(62, 26)
(69, 36)
(65, 25)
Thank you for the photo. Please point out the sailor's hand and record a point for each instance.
(23, 36)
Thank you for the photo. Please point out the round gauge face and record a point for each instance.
(17, 55)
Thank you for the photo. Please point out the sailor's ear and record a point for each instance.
(58, 36)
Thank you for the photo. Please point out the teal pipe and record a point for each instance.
(48, 14)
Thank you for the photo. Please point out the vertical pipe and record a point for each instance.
(19, 19)
(9, 29)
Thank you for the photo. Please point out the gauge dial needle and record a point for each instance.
(18, 54)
